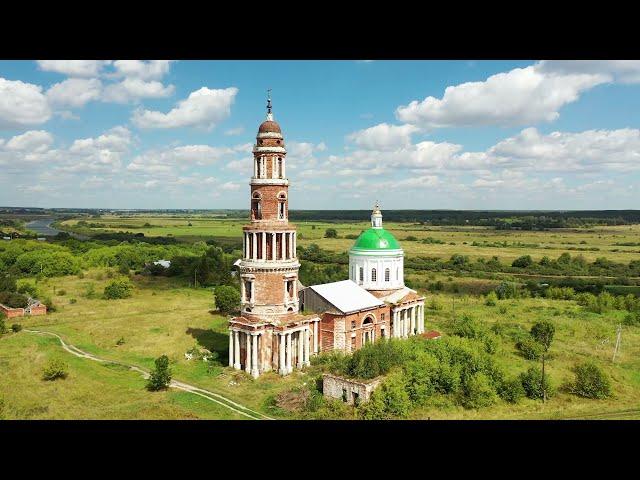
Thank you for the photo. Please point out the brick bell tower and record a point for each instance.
(269, 268)
(270, 333)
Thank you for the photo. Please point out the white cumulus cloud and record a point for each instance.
(22, 104)
(383, 136)
(518, 97)
(74, 68)
(204, 108)
(74, 92)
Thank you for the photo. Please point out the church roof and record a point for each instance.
(269, 126)
(346, 296)
(376, 239)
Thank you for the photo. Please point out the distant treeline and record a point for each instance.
(501, 219)
(523, 220)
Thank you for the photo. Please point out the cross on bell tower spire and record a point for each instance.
(269, 114)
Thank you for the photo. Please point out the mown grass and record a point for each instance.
(160, 318)
(90, 391)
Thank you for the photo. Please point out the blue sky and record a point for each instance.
(411, 134)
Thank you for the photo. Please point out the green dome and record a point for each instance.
(376, 239)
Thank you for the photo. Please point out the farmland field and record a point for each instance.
(598, 241)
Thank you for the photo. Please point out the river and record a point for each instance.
(42, 226)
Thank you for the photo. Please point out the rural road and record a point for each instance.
(211, 396)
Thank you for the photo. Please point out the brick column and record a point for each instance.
(236, 349)
(273, 246)
(300, 361)
(254, 356)
(282, 364)
(247, 362)
(254, 244)
(289, 369)
(412, 320)
(307, 332)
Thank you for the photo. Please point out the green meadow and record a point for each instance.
(167, 316)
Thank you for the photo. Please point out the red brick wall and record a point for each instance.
(329, 327)
(269, 201)
(39, 310)
(12, 312)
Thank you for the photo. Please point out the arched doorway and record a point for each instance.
(368, 330)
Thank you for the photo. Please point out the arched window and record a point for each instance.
(374, 276)
(361, 274)
(282, 200)
(280, 167)
(387, 275)
(256, 206)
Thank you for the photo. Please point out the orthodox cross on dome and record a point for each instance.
(269, 114)
(376, 216)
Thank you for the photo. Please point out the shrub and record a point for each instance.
(16, 327)
(523, 261)
(3, 325)
(160, 375)
(227, 299)
(477, 391)
(491, 299)
(420, 381)
(389, 400)
(62, 292)
(530, 349)
(490, 343)
(118, 289)
(330, 233)
(55, 369)
(73, 300)
(511, 391)
(532, 383)
(467, 327)
(507, 290)
(591, 381)
(632, 319)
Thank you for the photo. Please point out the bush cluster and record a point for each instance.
(118, 289)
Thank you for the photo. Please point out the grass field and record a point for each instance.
(165, 318)
(456, 239)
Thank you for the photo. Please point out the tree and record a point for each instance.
(227, 299)
(542, 332)
(161, 376)
(330, 233)
(591, 381)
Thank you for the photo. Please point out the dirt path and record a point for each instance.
(211, 396)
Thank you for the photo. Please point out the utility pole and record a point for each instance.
(618, 339)
(544, 390)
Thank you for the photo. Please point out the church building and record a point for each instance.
(281, 323)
